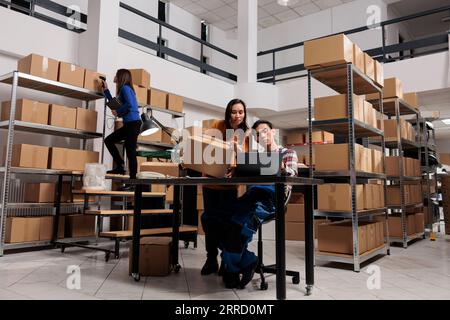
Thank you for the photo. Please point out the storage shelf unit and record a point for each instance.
(173, 113)
(396, 108)
(409, 238)
(346, 79)
(8, 173)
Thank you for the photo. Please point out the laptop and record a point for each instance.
(255, 164)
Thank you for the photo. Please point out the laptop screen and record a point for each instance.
(254, 164)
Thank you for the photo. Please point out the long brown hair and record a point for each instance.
(124, 78)
(244, 126)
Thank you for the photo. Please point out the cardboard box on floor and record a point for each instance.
(335, 157)
(168, 169)
(92, 80)
(141, 78)
(154, 256)
(28, 156)
(141, 95)
(27, 111)
(175, 103)
(328, 51)
(71, 74)
(86, 120)
(39, 66)
(335, 107)
(157, 98)
(46, 228)
(78, 226)
(219, 156)
(40, 192)
(22, 230)
(63, 117)
(337, 197)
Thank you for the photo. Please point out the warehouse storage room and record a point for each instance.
(251, 151)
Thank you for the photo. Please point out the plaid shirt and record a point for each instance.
(290, 161)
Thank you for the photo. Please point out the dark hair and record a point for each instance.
(244, 126)
(124, 78)
(260, 122)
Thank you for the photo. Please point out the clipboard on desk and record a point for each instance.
(114, 104)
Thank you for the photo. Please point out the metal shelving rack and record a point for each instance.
(427, 142)
(396, 108)
(346, 79)
(22, 80)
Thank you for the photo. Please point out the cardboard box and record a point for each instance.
(27, 111)
(395, 226)
(369, 201)
(369, 66)
(39, 66)
(22, 230)
(154, 256)
(58, 159)
(366, 160)
(92, 80)
(377, 161)
(140, 78)
(295, 137)
(371, 236)
(379, 74)
(29, 156)
(390, 129)
(328, 51)
(78, 159)
(175, 103)
(328, 137)
(297, 198)
(86, 120)
(335, 157)
(78, 226)
(141, 95)
(444, 158)
(317, 137)
(358, 57)
(157, 98)
(200, 203)
(66, 195)
(40, 192)
(337, 237)
(335, 107)
(412, 194)
(337, 197)
(295, 231)
(46, 228)
(170, 194)
(209, 156)
(412, 99)
(295, 213)
(71, 74)
(419, 222)
(159, 188)
(210, 123)
(393, 88)
(170, 139)
(61, 116)
(392, 166)
(169, 169)
(200, 227)
(156, 137)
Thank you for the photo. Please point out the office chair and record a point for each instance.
(272, 269)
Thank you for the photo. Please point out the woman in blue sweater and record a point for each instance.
(130, 131)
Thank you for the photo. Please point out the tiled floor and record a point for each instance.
(420, 272)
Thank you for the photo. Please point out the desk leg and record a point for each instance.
(280, 242)
(309, 238)
(136, 233)
(176, 228)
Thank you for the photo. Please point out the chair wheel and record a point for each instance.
(296, 280)
(136, 277)
(177, 268)
(186, 244)
(264, 286)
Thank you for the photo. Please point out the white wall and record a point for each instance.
(443, 145)
(226, 41)
(341, 18)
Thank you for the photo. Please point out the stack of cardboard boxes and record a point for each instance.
(411, 167)
(413, 194)
(415, 223)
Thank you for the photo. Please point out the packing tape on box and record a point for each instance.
(73, 68)
(45, 64)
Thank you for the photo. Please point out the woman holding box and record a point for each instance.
(129, 112)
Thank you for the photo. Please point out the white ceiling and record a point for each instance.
(223, 13)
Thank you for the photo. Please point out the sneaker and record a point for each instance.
(118, 171)
(247, 275)
(231, 280)
(211, 266)
(129, 188)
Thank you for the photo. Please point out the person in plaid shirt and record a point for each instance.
(254, 207)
